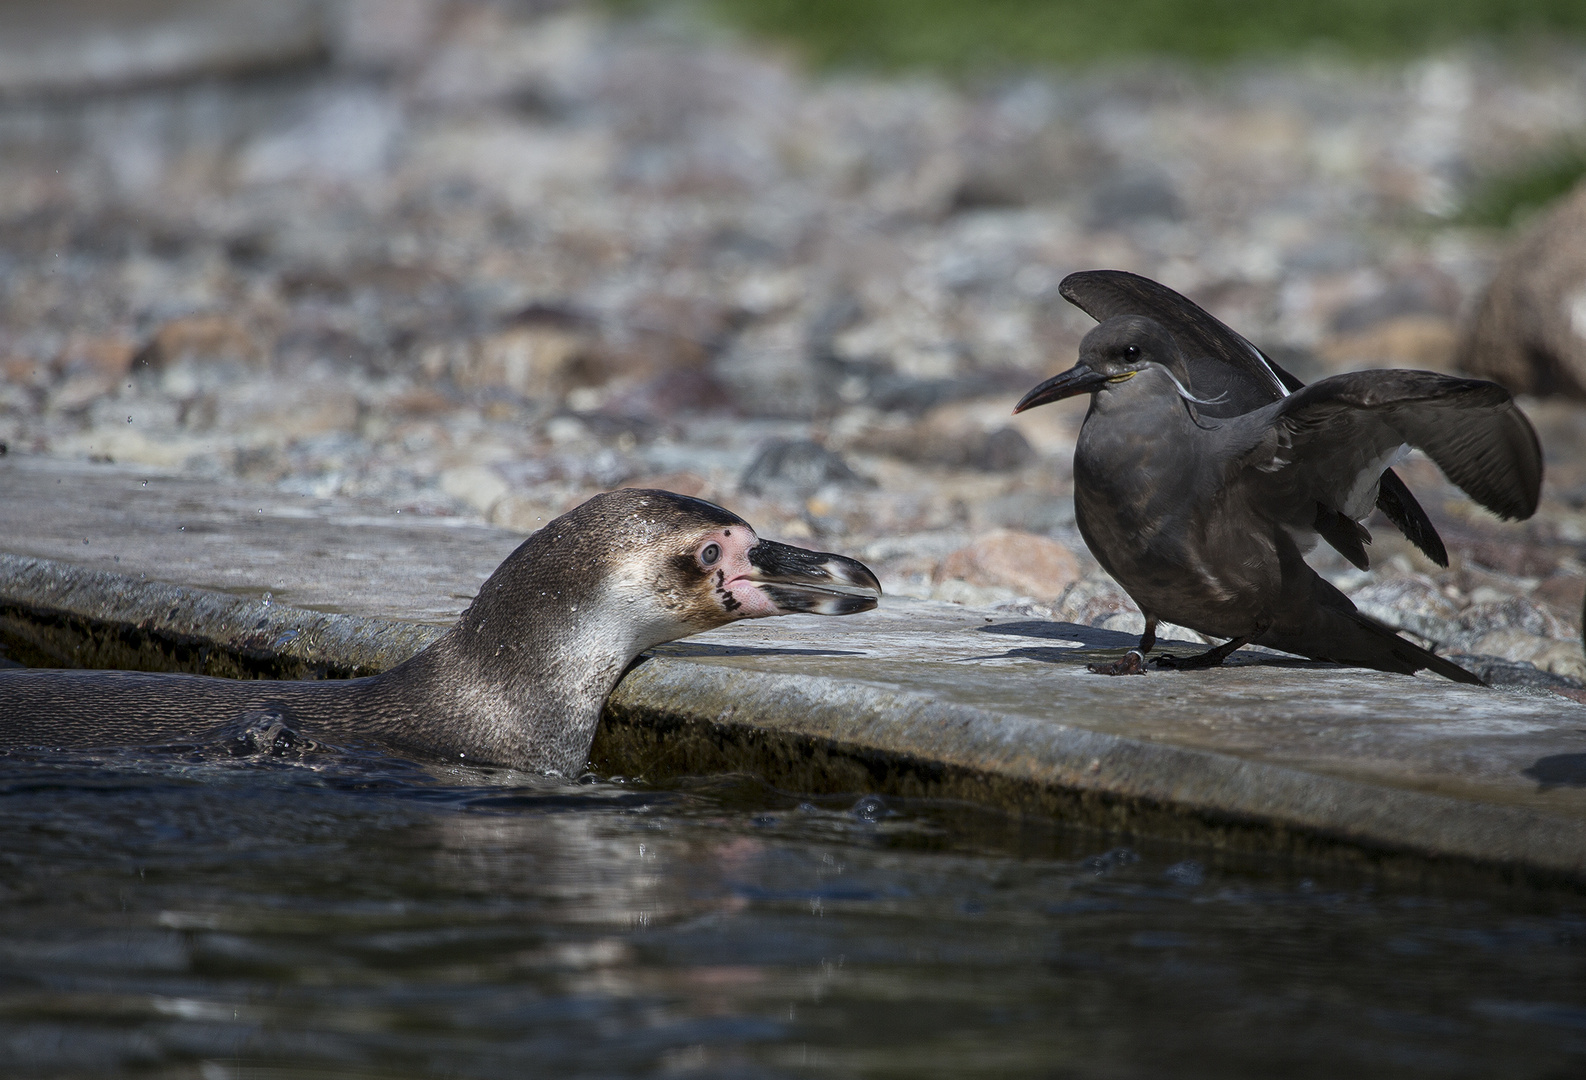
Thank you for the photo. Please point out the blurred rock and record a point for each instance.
(903, 393)
(1413, 603)
(342, 135)
(1517, 612)
(1563, 593)
(796, 467)
(1002, 450)
(1032, 565)
(1423, 342)
(1028, 511)
(307, 409)
(384, 33)
(533, 361)
(1544, 653)
(200, 339)
(520, 513)
(74, 45)
(1018, 153)
(958, 591)
(77, 392)
(683, 483)
(24, 371)
(1093, 601)
(954, 436)
(1519, 675)
(91, 367)
(1406, 296)
(1529, 328)
(1521, 630)
(769, 371)
(480, 486)
(110, 356)
(1132, 196)
(668, 396)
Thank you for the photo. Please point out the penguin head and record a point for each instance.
(677, 565)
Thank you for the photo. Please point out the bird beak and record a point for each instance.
(796, 580)
(1079, 379)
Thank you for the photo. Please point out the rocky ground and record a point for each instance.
(483, 260)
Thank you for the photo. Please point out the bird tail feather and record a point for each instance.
(1336, 631)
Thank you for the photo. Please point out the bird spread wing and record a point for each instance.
(1314, 458)
(1222, 364)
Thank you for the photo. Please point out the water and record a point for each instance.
(188, 914)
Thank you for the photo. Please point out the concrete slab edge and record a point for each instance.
(804, 733)
(672, 716)
(59, 614)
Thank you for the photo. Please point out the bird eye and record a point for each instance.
(710, 554)
(1132, 352)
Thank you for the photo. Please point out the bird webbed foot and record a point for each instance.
(1131, 663)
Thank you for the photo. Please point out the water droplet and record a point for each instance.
(870, 809)
(1111, 860)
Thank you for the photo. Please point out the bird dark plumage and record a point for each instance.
(1228, 370)
(1203, 519)
(519, 681)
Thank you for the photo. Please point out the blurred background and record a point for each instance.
(483, 258)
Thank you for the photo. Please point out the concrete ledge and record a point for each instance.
(59, 615)
(112, 568)
(688, 715)
(669, 718)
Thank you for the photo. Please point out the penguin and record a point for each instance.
(522, 676)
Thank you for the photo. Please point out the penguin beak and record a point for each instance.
(1079, 379)
(796, 580)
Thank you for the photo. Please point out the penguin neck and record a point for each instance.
(521, 679)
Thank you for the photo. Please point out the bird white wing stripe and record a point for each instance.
(1267, 367)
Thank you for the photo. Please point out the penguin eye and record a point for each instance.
(1131, 352)
(710, 554)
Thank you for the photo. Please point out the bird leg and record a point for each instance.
(1133, 661)
(1208, 659)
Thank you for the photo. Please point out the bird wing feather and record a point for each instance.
(1318, 447)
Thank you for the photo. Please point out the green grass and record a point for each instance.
(968, 35)
(1510, 197)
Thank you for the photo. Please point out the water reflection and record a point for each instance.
(351, 915)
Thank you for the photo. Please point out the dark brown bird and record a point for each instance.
(1204, 519)
(519, 681)
(1233, 377)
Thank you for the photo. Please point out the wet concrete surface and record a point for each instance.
(919, 697)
